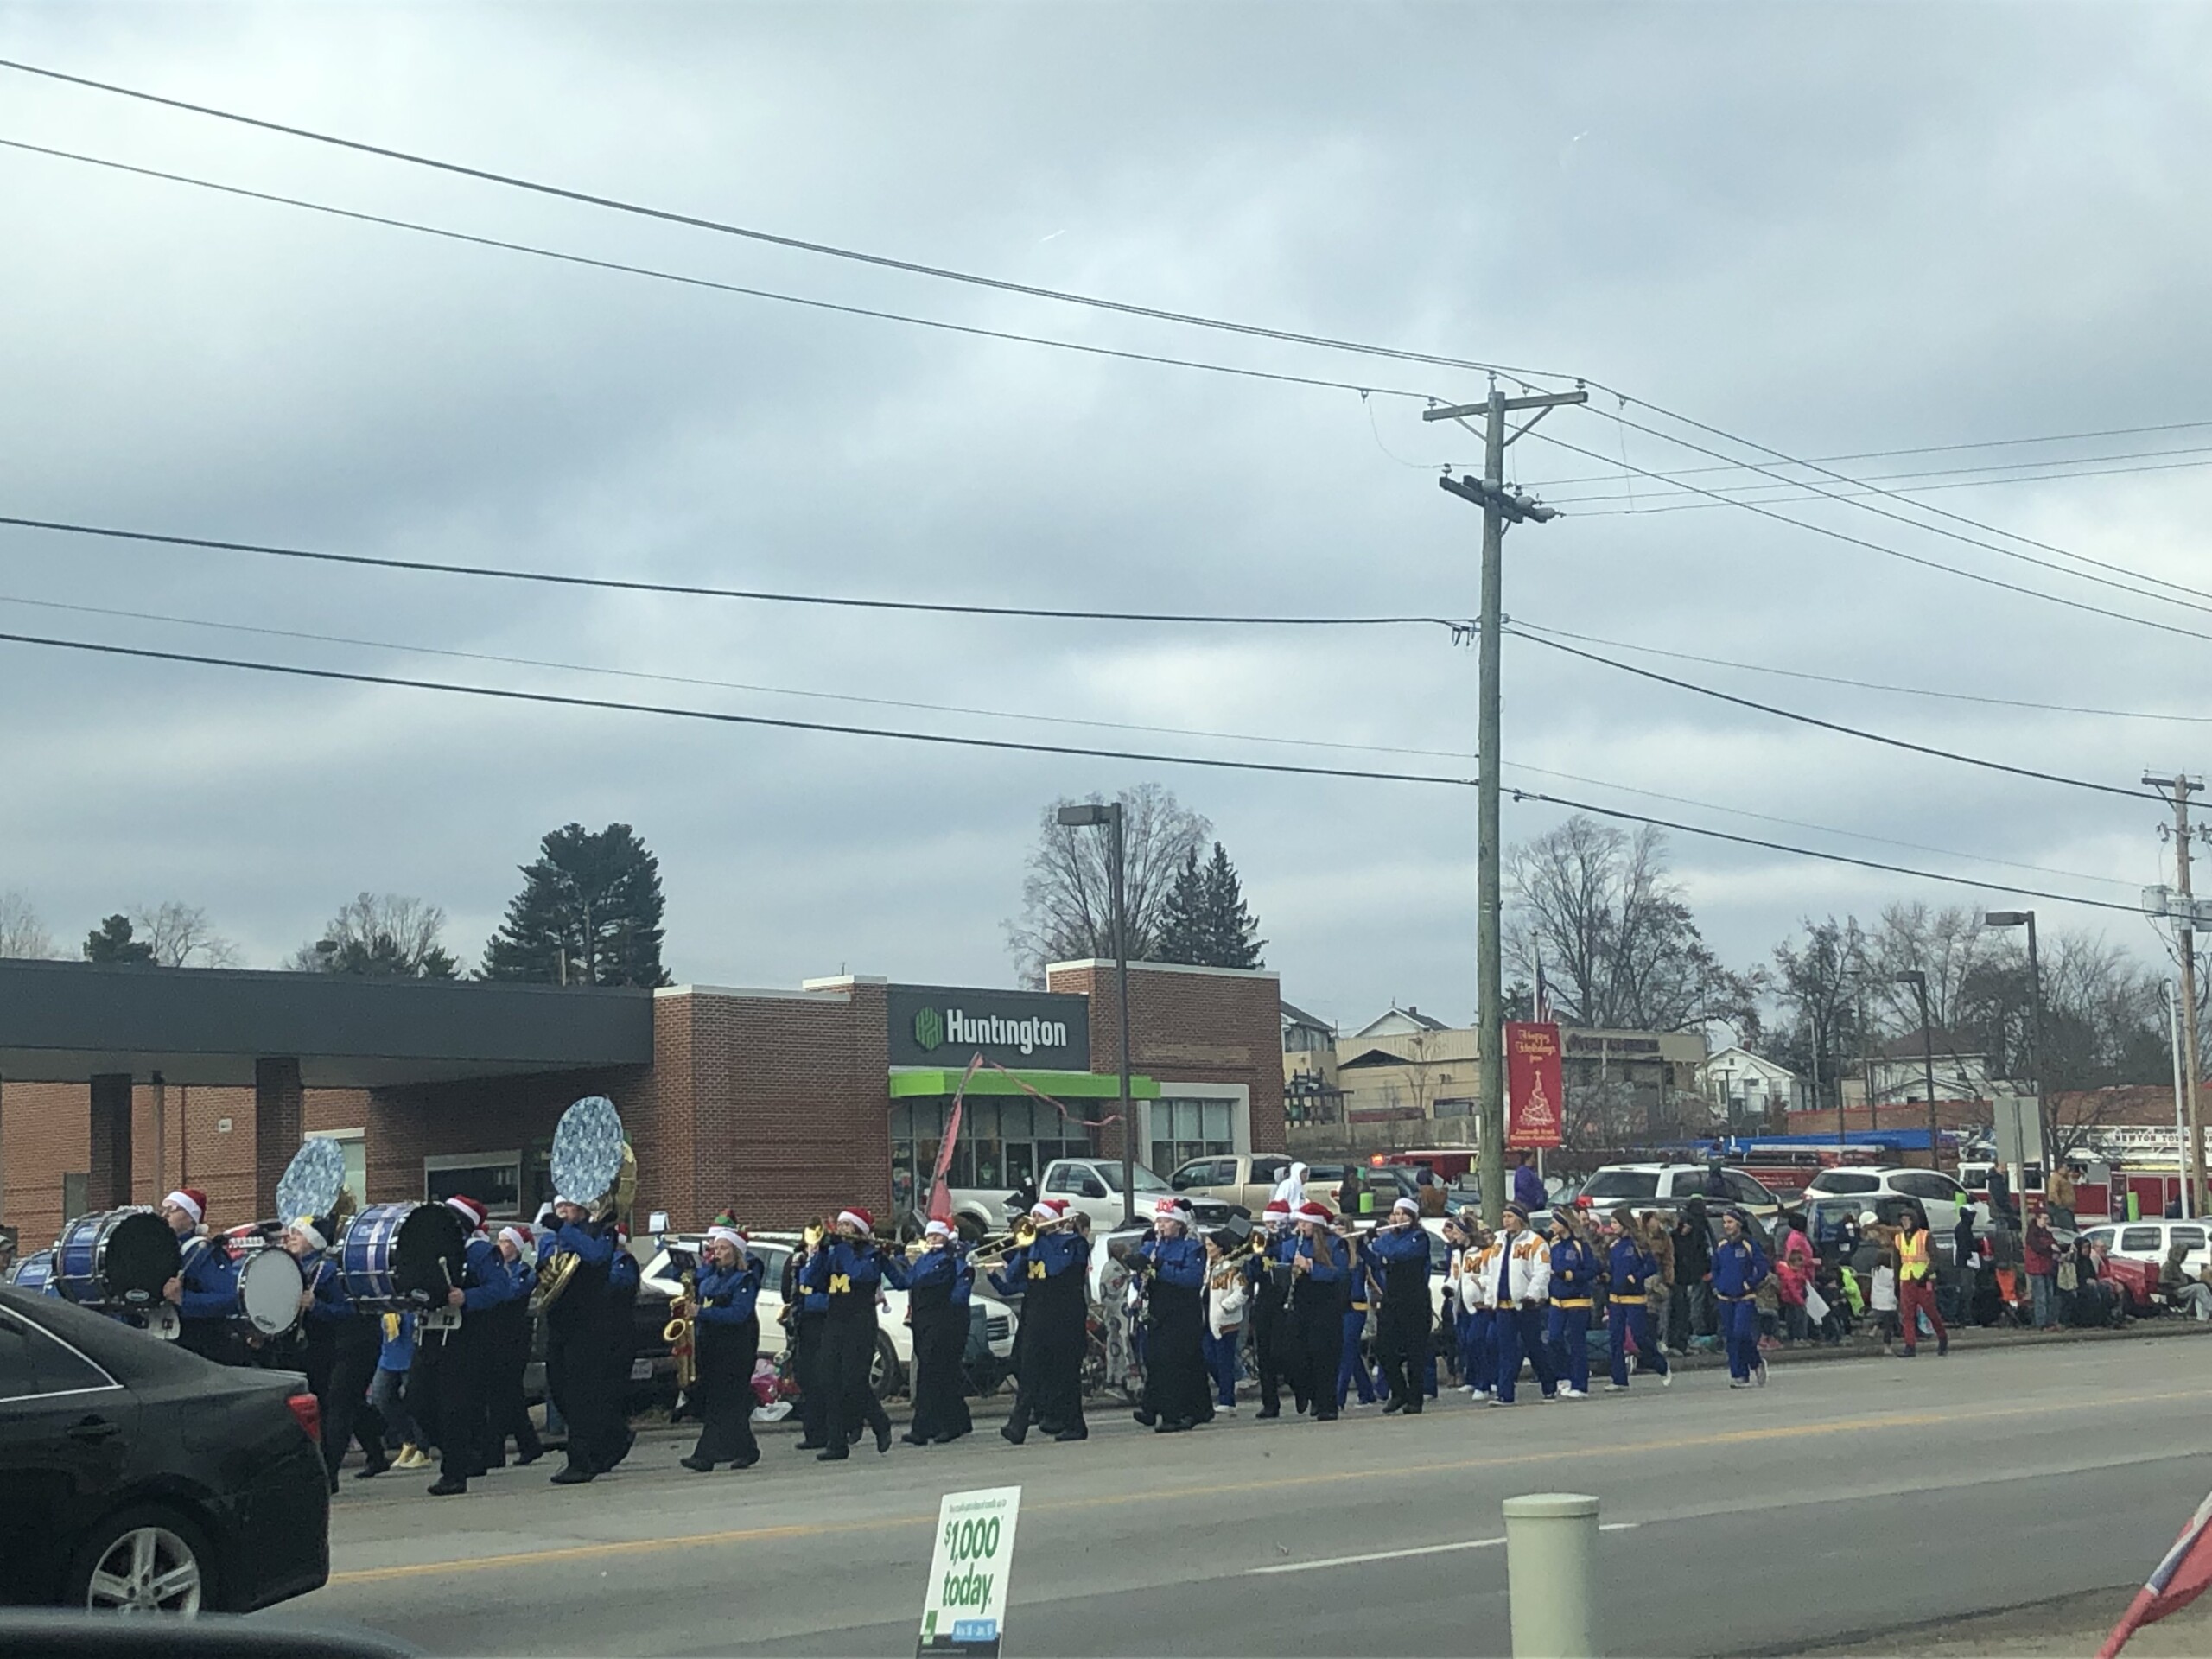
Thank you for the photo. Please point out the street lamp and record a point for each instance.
(1918, 981)
(2027, 918)
(1109, 814)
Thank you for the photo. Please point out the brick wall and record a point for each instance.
(1189, 1024)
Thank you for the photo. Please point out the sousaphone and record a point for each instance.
(592, 1166)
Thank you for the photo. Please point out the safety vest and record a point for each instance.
(1912, 1252)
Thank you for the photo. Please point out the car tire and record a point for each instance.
(886, 1376)
(149, 1558)
(970, 1230)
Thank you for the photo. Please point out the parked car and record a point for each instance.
(1637, 1183)
(137, 1478)
(2149, 1241)
(1245, 1182)
(660, 1282)
(1094, 1186)
(1939, 1197)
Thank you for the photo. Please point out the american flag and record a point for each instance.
(2179, 1579)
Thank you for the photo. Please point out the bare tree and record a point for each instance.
(1946, 943)
(382, 933)
(1617, 944)
(22, 933)
(1067, 909)
(181, 936)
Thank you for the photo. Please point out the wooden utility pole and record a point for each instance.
(2185, 916)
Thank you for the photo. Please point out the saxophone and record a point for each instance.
(681, 1333)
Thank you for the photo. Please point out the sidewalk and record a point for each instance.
(2074, 1625)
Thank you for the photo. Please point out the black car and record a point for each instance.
(138, 1477)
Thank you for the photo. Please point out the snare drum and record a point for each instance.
(120, 1259)
(270, 1283)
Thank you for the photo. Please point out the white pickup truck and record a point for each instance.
(1094, 1186)
(1246, 1183)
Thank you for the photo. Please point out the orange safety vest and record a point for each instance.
(1912, 1254)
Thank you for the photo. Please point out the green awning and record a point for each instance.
(925, 1082)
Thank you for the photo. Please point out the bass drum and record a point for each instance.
(270, 1283)
(32, 1273)
(402, 1255)
(118, 1259)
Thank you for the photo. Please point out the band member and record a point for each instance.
(1739, 1267)
(1317, 1298)
(1360, 1294)
(1477, 1294)
(1176, 1397)
(726, 1334)
(1274, 1346)
(1916, 1286)
(940, 1288)
(1574, 1277)
(337, 1346)
(1399, 1252)
(804, 1310)
(1051, 1274)
(851, 1272)
(1525, 1273)
(1225, 1301)
(579, 1334)
(204, 1292)
(1631, 1270)
(619, 1348)
(462, 1359)
(504, 1332)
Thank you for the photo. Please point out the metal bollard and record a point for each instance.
(1551, 1574)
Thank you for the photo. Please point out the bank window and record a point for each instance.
(492, 1178)
(1184, 1130)
(1004, 1143)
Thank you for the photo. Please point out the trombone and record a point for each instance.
(995, 1249)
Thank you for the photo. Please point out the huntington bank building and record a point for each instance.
(119, 1083)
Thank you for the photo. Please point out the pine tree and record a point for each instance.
(1184, 935)
(112, 941)
(589, 914)
(1231, 932)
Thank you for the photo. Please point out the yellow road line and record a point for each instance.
(1872, 1423)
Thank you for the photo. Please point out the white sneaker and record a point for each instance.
(1738, 1383)
(1666, 1377)
(1483, 1394)
(1468, 1388)
(1572, 1394)
(1615, 1388)
(1759, 1375)
(1492, 1399)
(1225, 1411)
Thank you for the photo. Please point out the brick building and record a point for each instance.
(119, 1083)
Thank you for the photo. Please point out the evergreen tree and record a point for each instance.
(589, 914)
(1204, 921)
(1182, 932)
(112, 941)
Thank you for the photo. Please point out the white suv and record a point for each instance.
(1939, 1196)
(1637, 1183)
(2149, 1241)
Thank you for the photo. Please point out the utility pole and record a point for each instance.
(2182, 787)
(1109, 815)
(1499, 505)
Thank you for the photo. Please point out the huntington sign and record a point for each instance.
(944, 1025)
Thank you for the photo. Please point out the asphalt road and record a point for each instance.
(1841, 1499)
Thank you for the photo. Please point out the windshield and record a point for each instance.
(1147, 1181)
(1623, 1183)
(1831, 1180)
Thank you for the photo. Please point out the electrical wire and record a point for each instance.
(832, 251)
(695, 591)
(1836, 726)
(1863, 685)
(618, 266)
(2020, 472)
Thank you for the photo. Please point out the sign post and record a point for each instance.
(964, 1609)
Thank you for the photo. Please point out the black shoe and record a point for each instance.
(1148, 1417)
(1942, 1346)
(833, 1454)
(913, 1440)
(809, 1446)
(573, 1476)
(1394, 1406)
(1325, 1416)
(1908, 1353)
(1067, 1434)
(448, 1486)
(1174, 1425)
(883, 1438)
(704, 1465)
(1413, 1408)
(743, 1463)
(1267, 1412)
(370, 1471)
(524, 1459)
(1012, 1435)
(852, 1435)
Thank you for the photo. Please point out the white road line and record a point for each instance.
(1402, 1554)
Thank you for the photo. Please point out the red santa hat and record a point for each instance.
(469, 1211)
(856, 1217)
(1317, 1213)
(191, 1200)
(519, 1236)
(1277, 1210)
(1049, 1210)
(1174, 1210)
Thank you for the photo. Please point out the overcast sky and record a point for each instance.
(1830, 229)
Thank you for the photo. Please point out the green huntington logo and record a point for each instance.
(929, 1030)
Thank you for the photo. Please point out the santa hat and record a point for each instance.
(936, 1228)
(1276, 1212)
(858, 1217)
(1049, 1210)
(1317, 1213)
(469, 1211)
(191, 1200)
(1409, 1205)
(519, 1236)
(730, 1235)
(305, 1227)
(1172, 1209)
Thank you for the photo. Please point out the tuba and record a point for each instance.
(589, 1155)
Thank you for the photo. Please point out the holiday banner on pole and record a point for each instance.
(1535, 1087)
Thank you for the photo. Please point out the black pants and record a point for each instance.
(848, 1354)
(1055, 1334)
(1176, 1388)
(506, 1356)
(723, 1392)
(576, 1374)
(346, 1413)
(452, 1363)
(1401, 1344)
(940, 1344)
(1280, 1358)
(813, 1387)
(1321, 1348)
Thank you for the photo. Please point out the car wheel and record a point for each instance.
(885, 1374)
(144, 1560)
(969, 1229)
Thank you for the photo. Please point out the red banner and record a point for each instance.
(1535, 1092)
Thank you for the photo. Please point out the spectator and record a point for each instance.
(2001, 1207)
(1796, 1245)
(1790, 1281)
(2040, 1256)
(2184, 1292)
(2096, 1299)
(1429, 1192)
(1767, 1299)
(1883, 1296)
(1527, 1187)
(1716, 1179)
(388, 1389)
(1690, 1313)
(1660, 1294)
(2059, 1192)
(1348, 1191)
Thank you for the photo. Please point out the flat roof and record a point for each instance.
(909, 1082)
(69, 1021)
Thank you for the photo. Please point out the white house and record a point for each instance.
(1743, 1085)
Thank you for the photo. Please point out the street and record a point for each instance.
(1842, 1499)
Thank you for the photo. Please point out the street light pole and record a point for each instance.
(1109, 815)
(2016, 919)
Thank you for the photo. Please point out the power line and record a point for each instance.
(1835, 726)
(772, 238)
(694, 591)
(618, 266)
(1808, 852)
(558, 700)
(1863, 685)
(1957, 479)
